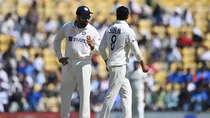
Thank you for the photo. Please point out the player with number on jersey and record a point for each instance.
(120, 39)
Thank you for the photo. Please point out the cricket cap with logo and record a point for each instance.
(84, 12)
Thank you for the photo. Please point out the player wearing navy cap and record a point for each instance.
(120, 40)
(81, 39)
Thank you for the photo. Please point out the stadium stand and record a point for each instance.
(174, 36)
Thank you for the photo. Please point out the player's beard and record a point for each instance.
(83, 24)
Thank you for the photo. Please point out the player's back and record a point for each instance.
(117, 42)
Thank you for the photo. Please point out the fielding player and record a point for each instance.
(81, 39)
(139, 89)
(120, 39)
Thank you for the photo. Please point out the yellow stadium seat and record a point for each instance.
(63, 8)
(7, 7)
(209, 16)
(50, 68)
(169, 87)
(188, 50)
(33, 51)
(200, 51)
(48, 52)
(50, 60)
(174, 66)
(188, 58)
(18, 53)
(160, 77)
(173, 31)
(160, 30)
(50, 12)
(160, 66)
(208, 36)
(207, 43)
(190, 64)
(22, 9)
(3, 48)
(177, 87)
(145, 24)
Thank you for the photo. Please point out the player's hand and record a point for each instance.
(145, 68)
(90, 42)
(63, 60)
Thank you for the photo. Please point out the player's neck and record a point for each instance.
(77, 24)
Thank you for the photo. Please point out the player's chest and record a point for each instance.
(76, 35)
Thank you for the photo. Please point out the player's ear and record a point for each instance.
(78, 17)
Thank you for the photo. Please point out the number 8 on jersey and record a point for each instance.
(113, 40)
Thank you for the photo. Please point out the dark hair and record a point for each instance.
(122, 13)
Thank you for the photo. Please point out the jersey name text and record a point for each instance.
(115, 30)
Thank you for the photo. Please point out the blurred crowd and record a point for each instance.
(174, 37)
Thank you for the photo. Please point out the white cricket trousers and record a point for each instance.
(137, 99)
(118, 83)
(76, 73)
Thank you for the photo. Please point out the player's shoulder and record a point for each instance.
(126, 29)
(91, 27)
(68, 24)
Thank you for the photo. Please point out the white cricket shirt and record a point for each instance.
(120, 40)
(139, 75)
(76, 41)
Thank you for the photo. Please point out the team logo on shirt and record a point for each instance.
(83, 33)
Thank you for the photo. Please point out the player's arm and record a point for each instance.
(136, 51)
(57, 45)
(102, 48)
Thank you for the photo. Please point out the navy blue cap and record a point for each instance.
(83, 10)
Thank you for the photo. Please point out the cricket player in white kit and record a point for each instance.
(81, 39)
(120, 39)
(139, 88)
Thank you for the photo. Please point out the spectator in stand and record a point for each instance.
(184, 98)
(158, 99)
(176, 77)
(187, 17)
(188, 76)
(9, 60)
(156, 47)
(197, 36)
(8, 24)
(199, 99)
(157, 15)
(184, 40)
(16, 104)
(175, 20)
(33, 98)
(203, 74)
(206, 55)
(172, 98)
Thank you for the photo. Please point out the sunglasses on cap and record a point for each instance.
(85, 16)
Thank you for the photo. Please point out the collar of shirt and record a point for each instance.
(75, 26)
(121, 22)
